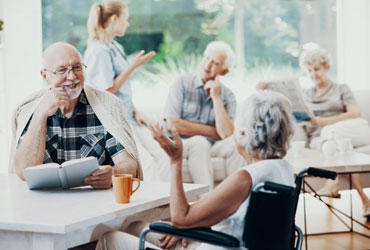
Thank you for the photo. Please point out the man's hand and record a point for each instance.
(168, 241)
(319, 122)
(140, 118)
(173, 148)
(261, 86)
(53, 99)
(215, 136)
(141, 58)
(101, 178)
(213, 88)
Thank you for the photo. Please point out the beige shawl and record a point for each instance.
(107, 107)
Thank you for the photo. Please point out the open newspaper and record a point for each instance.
(291, 88)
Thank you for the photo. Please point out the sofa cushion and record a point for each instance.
(363, 101)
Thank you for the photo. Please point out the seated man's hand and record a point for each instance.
(261, 86)
(213, 88)
(215, 136)
(101, 178)
(53, 99)
(168, 241)
(140, 118)
(318, 121)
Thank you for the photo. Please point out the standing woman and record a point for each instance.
(108, 69)
(106, 61)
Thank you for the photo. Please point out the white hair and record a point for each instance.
(314, 56)
(226, 48)
(268, 125)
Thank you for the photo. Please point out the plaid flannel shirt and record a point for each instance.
(79, 136)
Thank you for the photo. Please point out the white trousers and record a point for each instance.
(155, 162)
(357, 130)
(199, 151)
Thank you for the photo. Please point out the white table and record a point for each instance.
(342, 163)
(60, 219)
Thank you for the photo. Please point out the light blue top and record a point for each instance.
(104, 63)
(274, 170)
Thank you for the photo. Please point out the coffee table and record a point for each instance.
(350, 162)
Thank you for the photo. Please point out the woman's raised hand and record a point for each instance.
(141, 58)
(173, 148)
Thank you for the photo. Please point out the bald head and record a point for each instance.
(58, 52)
(63, 69)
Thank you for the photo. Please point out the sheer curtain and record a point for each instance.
(353, 40)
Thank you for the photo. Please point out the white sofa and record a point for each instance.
(363, 100)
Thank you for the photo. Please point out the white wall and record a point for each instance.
(353, 38)
(3, 102)
(20, 60)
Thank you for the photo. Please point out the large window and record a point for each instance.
(266, 36)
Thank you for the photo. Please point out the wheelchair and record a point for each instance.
(269, 220)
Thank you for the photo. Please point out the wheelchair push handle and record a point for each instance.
(322, 173)
(283, 189)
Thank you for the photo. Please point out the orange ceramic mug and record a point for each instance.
(122, 187)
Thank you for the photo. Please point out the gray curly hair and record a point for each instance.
(268, 124)
(314, 56)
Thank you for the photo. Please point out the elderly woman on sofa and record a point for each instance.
(262, 138)
(336, 114)
(334, 105)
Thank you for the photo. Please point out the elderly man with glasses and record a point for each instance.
(70, 120)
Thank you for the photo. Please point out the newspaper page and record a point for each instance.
(291, 88)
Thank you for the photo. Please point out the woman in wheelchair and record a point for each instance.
(262, 137)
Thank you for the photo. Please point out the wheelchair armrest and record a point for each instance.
(318, 172)
(322, 173)
(204, 234)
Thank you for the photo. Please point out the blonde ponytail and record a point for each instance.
(98, 17)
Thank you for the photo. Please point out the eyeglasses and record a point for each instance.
(64, 70)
